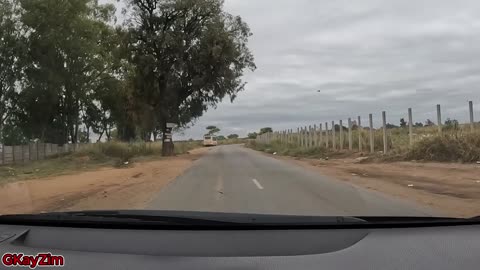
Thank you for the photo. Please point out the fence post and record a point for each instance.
(439, 119)
(372, 141)
(384, 120)
(470, 108)
(334, 143)
(310, 136)
(326, 135)
(410, 126)
(350, 141)
(320, 135)
(305, 138)
(36, 150)
(314, 136)
(341, 134)
(359, 127)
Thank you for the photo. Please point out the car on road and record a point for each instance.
(210, 141)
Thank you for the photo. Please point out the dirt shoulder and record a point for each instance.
(106, 188)
(450, 188)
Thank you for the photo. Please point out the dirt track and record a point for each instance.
(453, 189)
(106, 188)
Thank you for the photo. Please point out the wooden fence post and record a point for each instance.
(350, 139)
(410, 126)
(359, 128)
(384, 120)
(334, 143)
(439, 119)
(372, 140)
(470, 108)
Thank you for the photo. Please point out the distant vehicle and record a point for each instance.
(209, 141)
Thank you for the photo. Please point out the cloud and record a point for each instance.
(364, 56)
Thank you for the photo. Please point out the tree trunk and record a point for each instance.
(167, 142)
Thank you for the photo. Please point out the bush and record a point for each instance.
(464, 148)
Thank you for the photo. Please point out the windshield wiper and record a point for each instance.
(175, 220)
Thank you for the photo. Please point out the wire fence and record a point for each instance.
(356, 137)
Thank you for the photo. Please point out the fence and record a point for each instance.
(357, 136)
(34, 151)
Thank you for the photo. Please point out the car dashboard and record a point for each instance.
(447, 247)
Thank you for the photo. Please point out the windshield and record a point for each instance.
(300, 108)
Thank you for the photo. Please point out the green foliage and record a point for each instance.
(233, 136)
(403, 123)
(12, 135)
(212, 130)
(221, 138)
(451, 124)
(187, 56)
(265, 130)
(252, 135)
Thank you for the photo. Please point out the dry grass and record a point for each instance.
(88, 158)
(458, 144)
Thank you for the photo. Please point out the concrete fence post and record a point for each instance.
(439, 119)
(350, 139)
(359, 127)
(470, 108)
(341, 134)
(320, 135)
(310, 136)
(297, 139)
(326, 135)
(384, 121)
(13, 154)
(372, 140)
(305, 137)
(410, 126)
(334, 141)
(315, 136)
(36, 150)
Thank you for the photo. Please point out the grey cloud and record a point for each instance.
(364, 56)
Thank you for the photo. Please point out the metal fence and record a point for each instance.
(34, 151)
(338, 137)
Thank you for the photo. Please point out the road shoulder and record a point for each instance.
(450, 188)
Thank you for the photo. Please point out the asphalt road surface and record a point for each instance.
(234, 179)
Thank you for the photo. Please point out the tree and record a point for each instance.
(188, 55)
(451, 124)
(11, 47)
(418, 124)
(252, 135)
(403, 124)
(265, 130)
(69, 55)
(212, 130)
(429, 123)
(221, 138)
(233, 136)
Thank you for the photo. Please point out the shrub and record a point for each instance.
(463, 147)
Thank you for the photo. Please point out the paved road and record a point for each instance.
(235, 179)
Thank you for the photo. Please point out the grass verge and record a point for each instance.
(114, 154)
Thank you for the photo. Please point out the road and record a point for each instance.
(235, 179)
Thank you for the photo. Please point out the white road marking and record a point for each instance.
(257, 184)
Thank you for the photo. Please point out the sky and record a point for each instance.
(325, 60)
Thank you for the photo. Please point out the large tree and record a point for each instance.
(69, 56)
(188, 55)
(11, 48)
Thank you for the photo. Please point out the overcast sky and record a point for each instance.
(363, 56)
